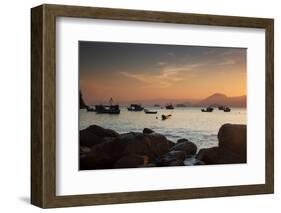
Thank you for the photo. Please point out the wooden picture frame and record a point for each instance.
(43, 105)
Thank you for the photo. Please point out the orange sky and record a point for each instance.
(143, 72)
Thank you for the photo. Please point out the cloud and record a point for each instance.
(164, 78)
(162, 63)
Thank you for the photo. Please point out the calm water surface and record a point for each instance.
(189, 122)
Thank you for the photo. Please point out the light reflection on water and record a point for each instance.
(189, 122)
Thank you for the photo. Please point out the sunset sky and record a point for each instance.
(128, 72)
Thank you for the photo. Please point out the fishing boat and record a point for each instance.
(226, 109)
(90, 109)
(150, 112)
(221, 107)
(135, 108)
(208, 109)
(107, 109)
(169, 106)
(164, 117)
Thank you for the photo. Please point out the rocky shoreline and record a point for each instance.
(106, 149)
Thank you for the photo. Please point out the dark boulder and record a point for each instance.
(102, 156)
(131, 161)
(232, 146)
(188, 147)
(182, 140)
(232, 137)
(94, 135)
(172, 158)
(105, 155)
(147, 131)
(153, 145)
(217, 155)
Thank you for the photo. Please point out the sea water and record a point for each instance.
(187, 122)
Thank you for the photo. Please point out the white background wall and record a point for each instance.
(15, 105)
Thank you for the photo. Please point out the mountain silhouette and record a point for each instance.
(218, 99)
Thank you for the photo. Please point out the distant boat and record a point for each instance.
(135, 107)
(156, 105)
(107, 109)
(90, 109)
(224, 108)
(227, 109)
(221, 107)
(208, 109)
(150, 112)
(170, 106)
(164, 117)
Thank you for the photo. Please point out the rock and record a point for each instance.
(217, 155)
(147, 131)
(131, 161)
(232, 146)
(105, 155)
(153, 145)
(149, 165)
(198, 163)
(94, 135)
(170, 144)
(232, 137)
(187, 146)
(84, 149)
(182, 140)
(102, 156)
(171, 158)
(192, 161)
(176, 163)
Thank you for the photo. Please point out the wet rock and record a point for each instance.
(153, 145)
(217, 155)
(106, 154)
(102, 156)
(188, 147)
(232, 146)
(182, 140)
(192, 161)
(232, 137)
(172, 158)
(147, 131)
(94, 135)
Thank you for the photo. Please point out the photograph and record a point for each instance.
(145, 105)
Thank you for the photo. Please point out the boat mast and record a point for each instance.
(111, 101)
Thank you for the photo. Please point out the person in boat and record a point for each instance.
(164, 117)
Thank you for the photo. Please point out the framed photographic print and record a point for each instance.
(136, 106)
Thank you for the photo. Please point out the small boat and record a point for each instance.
(226, 109)
(221, 107)
(90, 109)
(208, 109)
(150, 112)
(107, 109)
(164, 117)
(135, 107)
(170, 106)
(156, 105)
